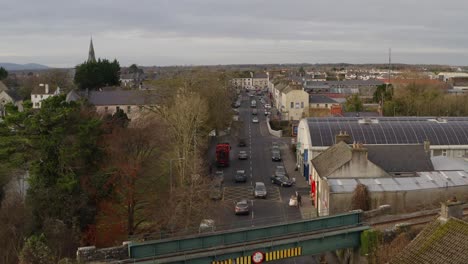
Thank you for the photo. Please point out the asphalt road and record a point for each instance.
(259, 167)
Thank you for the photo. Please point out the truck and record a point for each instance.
(222, 154)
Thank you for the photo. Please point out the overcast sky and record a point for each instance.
(182, 32)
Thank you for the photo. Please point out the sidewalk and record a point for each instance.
(302, 187)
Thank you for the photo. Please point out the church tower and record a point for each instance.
(91, 57)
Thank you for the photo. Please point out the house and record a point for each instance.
(132, 79)
(42, 92)
(321, 101)
(7, 96)
(444, 240)
(400, 176)
(291, 100)
(132, 102)
(260, 80)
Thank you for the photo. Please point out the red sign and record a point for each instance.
(258, 257)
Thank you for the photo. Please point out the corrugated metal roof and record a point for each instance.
(423, 180)
(390, 130)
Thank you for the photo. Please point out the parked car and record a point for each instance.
(254, 111)
(275, 145)
(240, 176)
(280, 171)
(281, 180)
(243, 155)
(260, 190)
(255, 119)
(267, 113)
(275, 155)
(242, 207)
(207, 225)
(242, 142)
(267, 106)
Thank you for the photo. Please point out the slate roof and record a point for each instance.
(321, 99)
(438, 242)
(261, 75)
(390, 130)
(332, 159)
(3, 86)
(41, 90)
(123, 97)
(13, 95)
(400, 158)
(344, 83)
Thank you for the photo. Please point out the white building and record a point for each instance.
(291, 100)
(42, 92)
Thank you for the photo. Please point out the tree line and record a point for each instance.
(98, 180)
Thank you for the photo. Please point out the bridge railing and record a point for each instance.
(239, 236)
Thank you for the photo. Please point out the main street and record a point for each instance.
(259, 167)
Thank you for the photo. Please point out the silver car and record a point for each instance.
(260, 190)
(255, 119)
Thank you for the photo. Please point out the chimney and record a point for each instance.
(359, 155)
(451, 208)
(343, 136)
(47, 89)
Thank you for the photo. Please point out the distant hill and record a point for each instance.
(22, 67)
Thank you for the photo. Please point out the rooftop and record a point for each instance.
(422, 180)
(390, 130)
(321, 99)
(438, 242)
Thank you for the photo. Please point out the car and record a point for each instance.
(254, 112)
(207, 225)
(255, 119)
(281, 180)
(240, 176)
(243, 155)
(267, 106)
(275, 145)
(242, 207)
(216, 191)
(275, 155)
(242, 142)
(280, 171)
(267, 113)
(260, 190)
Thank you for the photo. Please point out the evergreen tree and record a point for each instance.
(94, 75)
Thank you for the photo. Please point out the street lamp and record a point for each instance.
(170, 171)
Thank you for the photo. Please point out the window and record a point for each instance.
(292, 104)
(106, 108)
(318, 105)
(37, 105)
(41, 96)
(35, 96)
(444, 152)
(302, 104)
(129, 109)
(117, 108)
(326, 105)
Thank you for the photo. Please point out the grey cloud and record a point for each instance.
(239, 31)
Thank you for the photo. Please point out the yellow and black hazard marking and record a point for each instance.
(239, 260)
(283, 253)
(244, 260)
(227, 261)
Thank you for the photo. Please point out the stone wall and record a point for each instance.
(101, 255)
(276, 133)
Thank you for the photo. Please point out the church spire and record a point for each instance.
(91, 57)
